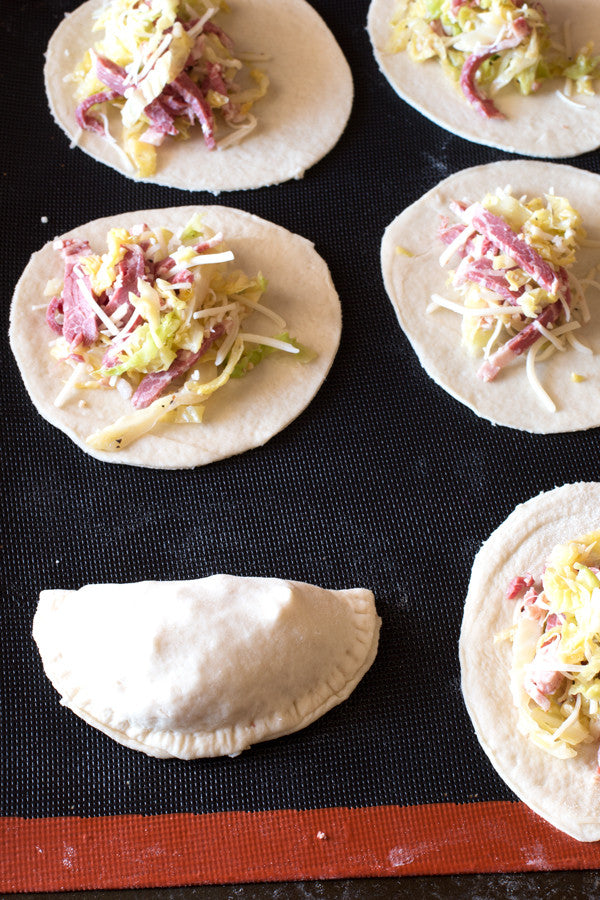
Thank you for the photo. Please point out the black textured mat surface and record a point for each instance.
(384, 482)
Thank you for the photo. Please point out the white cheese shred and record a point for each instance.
(568, 100)
(539, 391)
(68, 389)
(476, 311)
(458, 242)
(268, 342)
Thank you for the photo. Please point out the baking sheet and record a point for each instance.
(384, 482)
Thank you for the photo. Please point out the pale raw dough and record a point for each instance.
(205, 667)
(541, 124)
(565, 792)
(436, 338)
(247, 411)
(299, 120)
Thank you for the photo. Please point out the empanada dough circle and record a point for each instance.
(565, 792)
(300, 119)
(206, 667)
(245, 413)
(542, 124)
(410, 280)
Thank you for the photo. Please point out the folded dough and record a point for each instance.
(205, 667)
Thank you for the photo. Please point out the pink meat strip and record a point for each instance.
(482, 271)
(455, 5)
(160, 117)
(198, 106)
(504, 238)
(519, 585)
(163, 267)
(161, 123)
(554, 619)
(213, 80)
(87, 121)
(115, 79)
(483, 105)
(130, 269)
(525, 338)
(542, 685)
(183, 277)
(209, 243)
(448, 233)
(172, 102)
(211, 28)
(55, 306)
(152, 385)
(80, 323)
(112, 75)
(532, 4)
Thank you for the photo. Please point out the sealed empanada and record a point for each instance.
(206, 667)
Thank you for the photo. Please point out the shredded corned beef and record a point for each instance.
(542, 685)
(183, 277)
(181, 97)
(211, 28)
(213, 80)
(87, 121)
(519, 585)
(482, 271)
(111, 74)
(210, 243)
(530, 602)
(161, 123)
(198, 106)
(131, 268)
(527, 337)
(173, 103)
(502, 236)
(163, 267)
(554, 619)
(483, 105)
(80, 323)
(55, 307)
(448, 233)
(455, 5)
(152, 385)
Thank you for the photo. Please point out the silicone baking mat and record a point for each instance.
(384, 482)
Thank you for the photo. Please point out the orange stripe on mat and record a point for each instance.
(281, 845)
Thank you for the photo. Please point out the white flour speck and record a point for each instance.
(398, 856)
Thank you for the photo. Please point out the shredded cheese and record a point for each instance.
(458, 242)
(545, 398)
(268, 341)
(68, 389)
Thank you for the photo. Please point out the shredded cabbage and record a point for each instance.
(451, 30)
(252, 357)
(176, 307)
(555, 678)
(169, 65)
